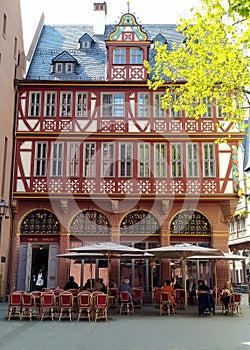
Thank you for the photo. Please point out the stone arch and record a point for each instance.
(140, 222)
(190, 222)
(40, 221)
(89, 222)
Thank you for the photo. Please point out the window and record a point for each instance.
(89, 159)
(59, 68)
(15, 47)
(136, 56)
(4, 165)
(65, 105)
(192, 160)
(113, 105)
(143, 105)
(85, 45)
(176, 159)
(209, 112)
(208, 156)
(57, 156)
(172, 112)
(34, 104)
(73, 159)
(69, 68)
(125, 160)
(50, 104)
(119, 56)
(81, 104)
(108, 159)
(4, 25)
(40, 158)
(160, 160)
(144, 160)
(159, 112)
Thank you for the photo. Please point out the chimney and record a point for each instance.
(100, 12)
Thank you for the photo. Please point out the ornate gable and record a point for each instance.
(128, 30)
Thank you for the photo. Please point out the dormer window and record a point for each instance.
(64, 63)
(85, 42)
(68, 67)
(59, 68)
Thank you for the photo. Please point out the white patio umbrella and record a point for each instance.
(215, 259)
(182, 252)
(108, 250)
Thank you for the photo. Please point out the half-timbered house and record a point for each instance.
(98, 159)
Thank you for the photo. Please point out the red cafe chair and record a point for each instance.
(48, 305)
(138, 292)
(66, 304)
(14, 305)
(235, 305)
(156, 297)
(84, 305)
(27, 306)
(113, 294)
(165, 304)
(100, 306)
(37, 303)
(180, 298)
(126, 303)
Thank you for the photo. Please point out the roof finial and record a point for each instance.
(128, 3)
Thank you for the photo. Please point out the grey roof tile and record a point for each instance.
(92, 62)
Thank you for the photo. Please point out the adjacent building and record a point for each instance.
(12, 69)
(99, 159)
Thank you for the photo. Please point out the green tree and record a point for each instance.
(240, 6)
(210, 66)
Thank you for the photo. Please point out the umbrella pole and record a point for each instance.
(108, 273)
(184, 279)
(91, 272)
(215, 282)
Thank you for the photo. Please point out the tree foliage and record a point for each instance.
(211, 65)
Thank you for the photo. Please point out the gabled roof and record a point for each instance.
(159, 38)
(86, 37)
(92, 63)
(64, 57)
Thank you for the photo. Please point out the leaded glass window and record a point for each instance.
(90, 222)
(40, 221)
(190, 222)
(140, 222)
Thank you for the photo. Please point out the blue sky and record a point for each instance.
(64, 12)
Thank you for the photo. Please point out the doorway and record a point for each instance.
(39, 261)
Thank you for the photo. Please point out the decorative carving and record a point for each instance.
(165, 205)
(228, 209)
(115, 206)
(64, 205)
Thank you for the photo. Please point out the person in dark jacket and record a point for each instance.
(71, 284)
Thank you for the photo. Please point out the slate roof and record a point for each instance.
(92, 62)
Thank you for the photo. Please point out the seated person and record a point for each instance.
(205, 298)
(71, 284)
(226, 295)
(126, 287)
(169, 289)
(99, 285)
(112, 283)
(202, 287)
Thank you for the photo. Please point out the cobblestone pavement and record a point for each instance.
(146, 330)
